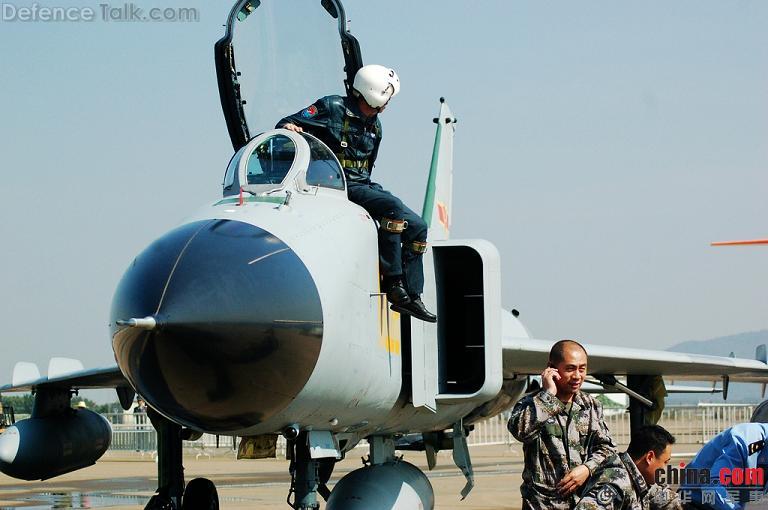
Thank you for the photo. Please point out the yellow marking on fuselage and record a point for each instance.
(389, 328)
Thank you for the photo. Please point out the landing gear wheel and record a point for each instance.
(200, 494)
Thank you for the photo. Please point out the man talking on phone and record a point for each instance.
(562, 430)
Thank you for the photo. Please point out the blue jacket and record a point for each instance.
(741, 446)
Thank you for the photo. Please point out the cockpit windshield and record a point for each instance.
(264, 165)
(323, 170)
(278, 57)
(270, 160)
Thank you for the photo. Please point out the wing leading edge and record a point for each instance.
(524, 356)
(95, 378)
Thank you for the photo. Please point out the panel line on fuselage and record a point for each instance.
(258, 259)
(176, 264)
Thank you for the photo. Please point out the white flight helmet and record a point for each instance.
(377, 84)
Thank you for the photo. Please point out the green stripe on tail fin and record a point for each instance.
(438, 197)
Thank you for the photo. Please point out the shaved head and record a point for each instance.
(568, 366)
(557, 353)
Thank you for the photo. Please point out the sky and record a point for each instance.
(600, 145)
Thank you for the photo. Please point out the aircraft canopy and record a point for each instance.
(274, 158)
(278, 57)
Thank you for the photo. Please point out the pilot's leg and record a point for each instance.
(396, 247)
(414, 247)
(386, 209)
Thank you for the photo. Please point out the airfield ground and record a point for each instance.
(123, 480)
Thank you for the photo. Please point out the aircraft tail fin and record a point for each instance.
(438, 197)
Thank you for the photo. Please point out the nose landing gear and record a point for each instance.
(199, 494)
(308, 476)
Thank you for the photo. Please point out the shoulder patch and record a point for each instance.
(309, 112)
(607, 494)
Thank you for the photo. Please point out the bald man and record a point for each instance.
(562, 430)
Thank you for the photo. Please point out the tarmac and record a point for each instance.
(126, 480)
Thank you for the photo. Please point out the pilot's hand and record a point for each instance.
(574, 479)
(293, 127)
(548, 378)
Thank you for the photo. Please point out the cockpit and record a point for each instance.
(266, 72)
(270, 161)
(278, 57)
(279, 159)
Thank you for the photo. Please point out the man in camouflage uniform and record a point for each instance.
(626, 480)
(562, 430)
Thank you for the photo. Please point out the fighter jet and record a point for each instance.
(262, 314)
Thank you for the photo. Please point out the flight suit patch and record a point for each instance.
(309, 112)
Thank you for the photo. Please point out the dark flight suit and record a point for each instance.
(338, 122)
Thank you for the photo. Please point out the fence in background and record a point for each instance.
(689, 424)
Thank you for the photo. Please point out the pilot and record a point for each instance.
(350, 126)
(563, 433)
(736, 463)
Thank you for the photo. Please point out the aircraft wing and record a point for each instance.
(529, 356)
(26, 377)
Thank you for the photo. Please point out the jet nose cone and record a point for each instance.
(239, 325)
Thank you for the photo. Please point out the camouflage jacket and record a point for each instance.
(618, 485)
(540, 421)
(661, 497)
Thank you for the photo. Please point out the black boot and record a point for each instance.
(416, 309)
(396, 293)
